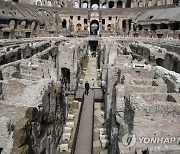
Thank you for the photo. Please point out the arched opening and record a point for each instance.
(78, 26)
(65, 76)
(174, 26)
(85, 4)
(94, 27)
(104, 5)
(76, 5)
(111, 4)
(64, 24)
(128, 3)
(16, 1)
(153, 27)
(94, 4)
(109, 27)
(129, 24)
(124, 25)
(140, 27)
(159, 61)
(119, 4)
(163, 26)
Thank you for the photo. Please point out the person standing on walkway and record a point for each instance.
(103, 86)
(92, 84)
(87, 88)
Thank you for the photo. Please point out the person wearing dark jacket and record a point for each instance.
(87, 87)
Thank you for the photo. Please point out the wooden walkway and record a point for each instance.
(85, 133)
(97, 94)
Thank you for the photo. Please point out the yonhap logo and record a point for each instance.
(129, 140)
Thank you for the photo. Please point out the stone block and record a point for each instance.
(66, 136)
(102, 131)
(103, 137)
(64, 147)
(67, 129)
(70, 116)
(19, 137)
(22, 150)
(104, 143)
(32, 113)
(70, 124)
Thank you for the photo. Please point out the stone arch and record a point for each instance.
(159, 61)
(109, 27)
(104, 5)
(85, 4)
(12, 24)
(124, 25)
(94, 27)
(24, 24)
(111, 4)
(76, 4)
(95, 3)
(78, 26)
(119, 4)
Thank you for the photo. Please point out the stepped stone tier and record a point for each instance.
(49, 49)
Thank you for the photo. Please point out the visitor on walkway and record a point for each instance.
(87, 88)
(92, 84)
(103, 86)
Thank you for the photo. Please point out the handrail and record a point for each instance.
(77, 128)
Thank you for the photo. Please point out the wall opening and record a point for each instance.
(159, 61)
(64, 24)
(104, 5)
(1, 149)
(128, 3)
(153, 27)
(6, 35)
(76, 5)
(85, 4)
(174, 26)
(65, 75)
(28, 34)
(163, 26)
(124, 25)
(109, 27)
(94, 4)
(119, 4)
(93, 47)
(78, 26)
(175, 66)
(94, 27)
(111, 4)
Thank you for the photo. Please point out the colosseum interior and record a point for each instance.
(127, 50)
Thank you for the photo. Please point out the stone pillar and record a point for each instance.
(124, 5)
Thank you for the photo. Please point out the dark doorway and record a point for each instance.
(175, 66)
(65, 74)
(93, 47)
(6, 35)
(119, 4)
(28, 34)
(64, 24)
(1, 150)
(159, 61)
(111, 4)
(94, 27)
